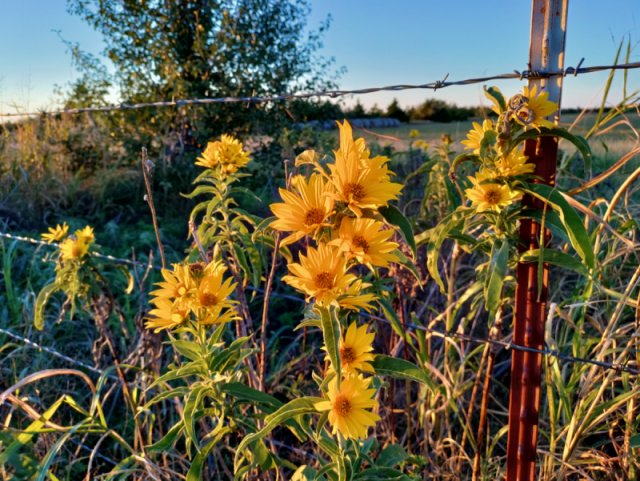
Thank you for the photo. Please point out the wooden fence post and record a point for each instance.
(548, 29)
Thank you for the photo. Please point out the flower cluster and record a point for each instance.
(73, 247)
(336, 206)
(493, 187)
(226, 155)
(197, 290)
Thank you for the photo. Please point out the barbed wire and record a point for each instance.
(51, 351)
(39, 242)
(435, 85)
(436, 332)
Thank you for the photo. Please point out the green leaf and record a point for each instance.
(331, 335)
(557, 258)
(195, 470)
(188, 349)
(168, 439)
(392, 317)
(391, 456)
(25, 436)
(401, 369)
(408, 264)
(465, 157)
(41, 302)
(304, 473)
(192, 404)
(488, 139)
(435, 237)
(570, 220)
(201, 189)
(495, 95)
(394, 217)
(581, 144)
(381, 473)
(497, 272)
(243, 392)
(297, 407)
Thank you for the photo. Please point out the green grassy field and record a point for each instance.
(610, 143)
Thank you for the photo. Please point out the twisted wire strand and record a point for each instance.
(434, 85)
(453, 335)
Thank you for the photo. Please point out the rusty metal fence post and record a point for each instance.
(548, 29)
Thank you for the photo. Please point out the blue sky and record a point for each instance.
(380, 42)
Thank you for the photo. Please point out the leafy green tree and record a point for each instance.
(164, 50)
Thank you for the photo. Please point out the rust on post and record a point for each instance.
(548, 29)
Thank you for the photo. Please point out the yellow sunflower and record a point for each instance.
(476, 134)
(212, 302)
(490, 195)
(321, 274)
(366, 240)
(304, 211)
(354, 299)
(56, 234)
(173, 300)
(513, 164)
(361, 182)
(166, 314)
(349, 407)
(355, 350)
(534, 110)
(421, 144)
(226, 153)
(77, 246)
(177, 284)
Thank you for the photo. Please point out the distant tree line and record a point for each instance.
(434, 110)
(431, 109)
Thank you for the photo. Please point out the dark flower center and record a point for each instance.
(324, 280)
(347, 354)
(342, 405)
(361, 242)
(355, 191)
(314, 216)
(492, 197)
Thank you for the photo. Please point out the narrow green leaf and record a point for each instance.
(497, 272)
(331, 335)
(401, 369)
(201, 189)
(557, 258)
(394, 217)
(495, 95)
(392, 317)
(25, 436)
(168, 439)
(197, 464)
(294, 408)
(41, 302)
(243, 392)
(435, 237)
(191, 405)
(570, 220)
(580, 143)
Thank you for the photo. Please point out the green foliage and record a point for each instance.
(202, 48)
(440, 111)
